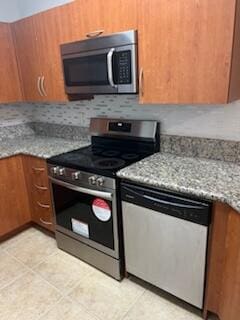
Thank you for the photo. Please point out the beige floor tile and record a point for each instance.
(22, 236)
(10, 269)
(63, 270)
(152, 306)
(67, 310)
(106, 298)
(34, 249)
(27, 298)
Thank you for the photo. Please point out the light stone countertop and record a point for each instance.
(207, 179)
(38, 146)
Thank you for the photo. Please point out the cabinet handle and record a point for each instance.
(45, 222)
(44, 206)
(43, 86)
(141, 82)
(38, 169)
(94, 34)
(40, 188)
(39, 86)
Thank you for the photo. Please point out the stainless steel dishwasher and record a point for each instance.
(165, 237)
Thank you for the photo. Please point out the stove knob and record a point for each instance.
(92, 180)
(62, 171)
(54, 170)
(76, 175)
(100, 182)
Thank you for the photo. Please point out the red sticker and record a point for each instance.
(101, 209)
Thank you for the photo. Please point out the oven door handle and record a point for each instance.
(110, 67)
(100, 194)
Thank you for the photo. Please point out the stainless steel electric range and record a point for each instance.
(85, 190)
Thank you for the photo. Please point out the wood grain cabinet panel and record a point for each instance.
(29, 61)
(186, 50)
(223, 276)
(10, 88)
(14, 204)
(39, 191)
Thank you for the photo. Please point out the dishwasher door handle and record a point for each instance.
(173, 204)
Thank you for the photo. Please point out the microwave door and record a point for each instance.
(90, 72)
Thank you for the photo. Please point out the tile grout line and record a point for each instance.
(133, 304)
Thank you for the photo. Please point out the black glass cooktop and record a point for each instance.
(99, 160)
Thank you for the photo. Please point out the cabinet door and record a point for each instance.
(48, 30)
(39, 191)
(14, 205)
(27, 49)
(185, 50)
(119, 15)
(10, 89)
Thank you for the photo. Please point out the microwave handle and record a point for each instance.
(110, 67)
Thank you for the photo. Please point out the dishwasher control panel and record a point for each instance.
(179, 206)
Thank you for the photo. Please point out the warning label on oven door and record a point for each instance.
(101, 210)
(80, 228)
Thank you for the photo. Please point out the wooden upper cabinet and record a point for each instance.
(27, 50)
(186, 51)
(10, 89)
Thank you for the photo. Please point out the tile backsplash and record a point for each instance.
(212, 121)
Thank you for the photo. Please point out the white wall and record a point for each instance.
(9, 10)
(12, 10)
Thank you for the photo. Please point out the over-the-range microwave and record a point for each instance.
(103, 65)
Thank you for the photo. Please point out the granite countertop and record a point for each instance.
(207, 179)
(38, 146)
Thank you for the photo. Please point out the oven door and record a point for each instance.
(87, 215)
(111, 70)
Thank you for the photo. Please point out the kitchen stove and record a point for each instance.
(85, 190)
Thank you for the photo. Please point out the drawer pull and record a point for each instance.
(45, 222)
(40, 188)
(45, 206)
(38, 169)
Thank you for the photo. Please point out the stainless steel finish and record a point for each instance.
(44, 206)
(141, 82)
(109, 195)
(45, 222)
(109, 183)
(90, 255)
(110, 41)
(42, 83)
(40, 188)
(94, 34)
(104, 195)
(39, 86)
(165, 251)
(101, 45)
(144, 129)
(76, 175)
(110, 68)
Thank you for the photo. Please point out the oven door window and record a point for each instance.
(86, 71)
(84, 215)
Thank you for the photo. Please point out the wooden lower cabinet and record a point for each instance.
(39, 191)
(14, 204)
(223, 278)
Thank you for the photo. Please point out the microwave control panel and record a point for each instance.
(124, 67)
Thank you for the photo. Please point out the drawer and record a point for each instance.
(42, 214)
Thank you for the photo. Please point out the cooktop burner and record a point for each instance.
(111, 163)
